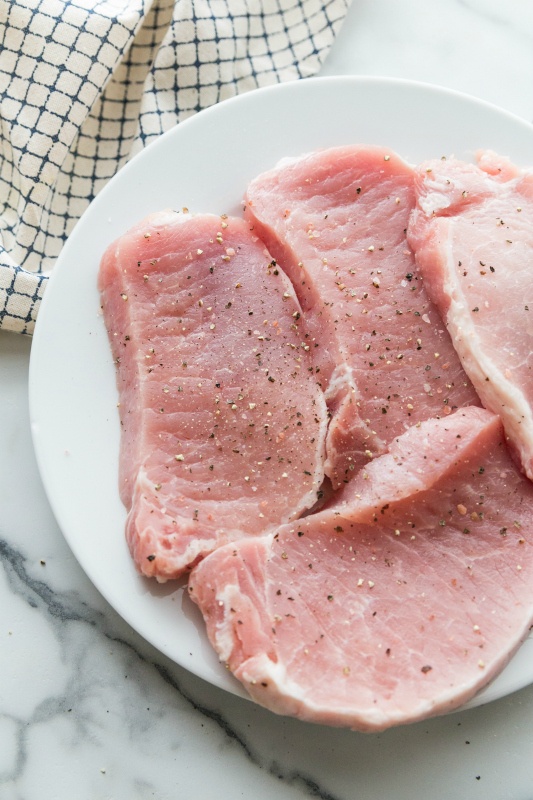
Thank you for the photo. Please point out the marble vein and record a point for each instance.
(64, 608)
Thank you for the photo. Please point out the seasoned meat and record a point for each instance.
(223, 423)
(398, 601)
(472, 233)
(336, 221)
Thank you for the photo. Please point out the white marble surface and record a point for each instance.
(89, 711)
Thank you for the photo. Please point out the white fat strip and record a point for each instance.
(438, 194)
(225, 638)
(433, 201)
(168, 216)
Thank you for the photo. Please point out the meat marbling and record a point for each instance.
(472, 233)
(336, 220)
(223, 424)
(400, 600)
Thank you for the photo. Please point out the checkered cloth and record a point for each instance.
(85, 84)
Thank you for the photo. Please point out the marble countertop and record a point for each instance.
(90, 711)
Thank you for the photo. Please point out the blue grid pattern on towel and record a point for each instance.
(85, 85)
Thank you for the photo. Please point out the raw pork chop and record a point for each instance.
(396, 603)
(472, 233)
(336, 222)
(223, 424)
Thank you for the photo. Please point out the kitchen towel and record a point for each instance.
(86, 84)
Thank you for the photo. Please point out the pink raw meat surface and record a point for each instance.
(223, 424)
(472, 233)
(336, 221)
(400, 600)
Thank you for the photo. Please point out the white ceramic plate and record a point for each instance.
(205, 164)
